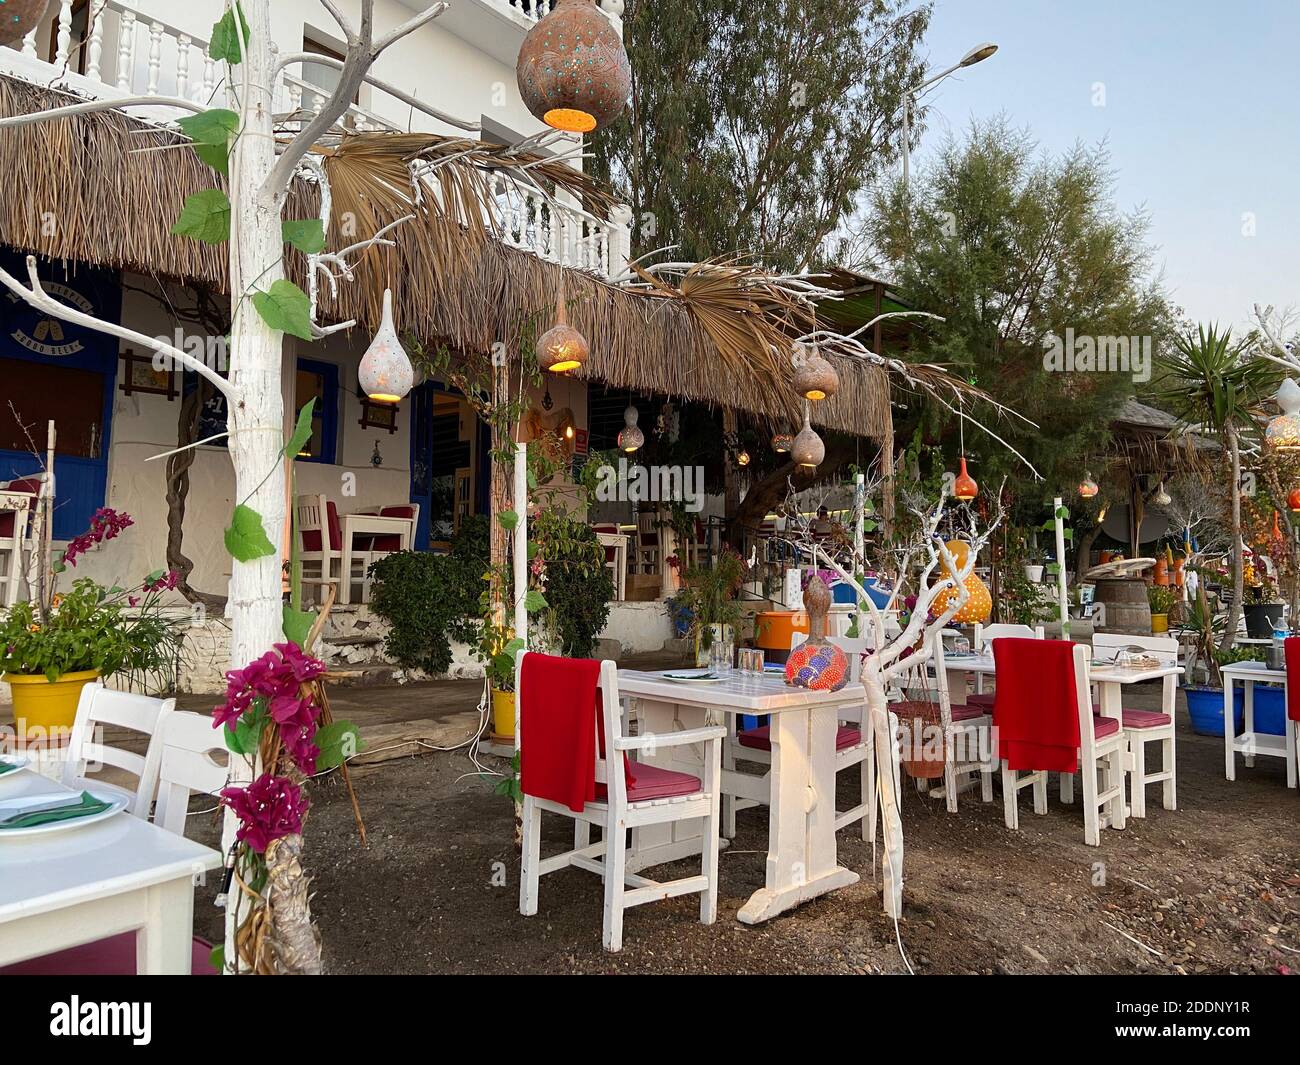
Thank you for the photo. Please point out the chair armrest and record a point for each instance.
(671, 739)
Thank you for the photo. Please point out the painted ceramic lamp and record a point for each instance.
(19, 17)
(386, 374)
(1283, 432)
(816, 664)
(572, 70)
(980, 604)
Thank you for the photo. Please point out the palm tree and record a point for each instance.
(1211, 388)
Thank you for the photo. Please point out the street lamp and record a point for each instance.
(976, 55)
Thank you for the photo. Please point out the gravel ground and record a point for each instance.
(1211, 888)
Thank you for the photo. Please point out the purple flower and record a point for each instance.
(276, 679)
(164, 583)
(270, 808)
(105, 524)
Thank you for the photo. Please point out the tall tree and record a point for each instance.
(754, 128)
(1013, 247)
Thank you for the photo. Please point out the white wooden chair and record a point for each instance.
(621, 810)
(16, 509)
(100, 706)
(321, 545)
(188, 743)
(966, 729)
(854, 746)
(984, 637)
(1103, 753)
(647, 541)
(1148, 726)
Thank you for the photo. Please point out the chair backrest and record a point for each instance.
(1079, 657)
(1107, 645)
(609, 726)
(986, 634)
(188, 744)
(16, 510)
(315, 515)
(101, 706)
(647, 528)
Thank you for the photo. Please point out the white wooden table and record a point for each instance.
(369, 524)
(618, 541)
(801, 855)
(87, 883)
(1251, 743)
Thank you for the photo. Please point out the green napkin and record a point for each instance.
(88, 805)
(8, 767)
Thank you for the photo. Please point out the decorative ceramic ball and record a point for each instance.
(818, 666)
(19, 17)
(979, 606)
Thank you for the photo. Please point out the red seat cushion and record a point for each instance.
(114, 956)
(760, 739)
(984, 699)
(1103, 726)
(646, 782)
(389, 541)
(969, 711)
(1145, 719)
(311, 537)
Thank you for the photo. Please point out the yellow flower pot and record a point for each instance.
(1159, 623)
(503, 714)
(45, 708)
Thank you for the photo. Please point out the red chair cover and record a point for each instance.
(559, 714)
(1292, 646)
(1035, 708)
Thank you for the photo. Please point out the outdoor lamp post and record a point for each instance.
(976, 55)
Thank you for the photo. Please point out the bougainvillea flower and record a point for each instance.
(104, 525)
(165, 583)
(270, 808)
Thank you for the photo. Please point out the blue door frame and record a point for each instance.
(28, 335)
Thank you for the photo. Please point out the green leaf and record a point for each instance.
(535, 601)
(212, 131)
(297, 624)
(205, 217)
(338, 741)
(301, 431)
(244, 737)
(217, 957)
(156, 575)
(868, 525)
(514, 646)
(285, 308)
(246, 539)
(225, 42)
(509, 520)
(1063, 513)
(305, 234)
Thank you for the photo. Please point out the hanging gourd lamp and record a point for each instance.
(1283, 432)
(631, 438)
(1276, 534)
(964, 486)
(1293, 501)
(742, 457)
(386, 374)
(19, 17)
(807, 451)
(782, 443)
(561, 348)
(815, 378)
(572, 70)
(1088, 487)
(1161, 498)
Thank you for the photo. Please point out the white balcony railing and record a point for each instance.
(122, 50)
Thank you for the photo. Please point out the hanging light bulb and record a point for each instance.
(1088, 487)
(1283, 432)
(561, 348)
(963, 485)
(1293, 501)
(1101, 514)
(815, 378)
(1161, 498)
(782, 442)
(386, 374)
(742, 457)
(631, 438)
(808, 450)
(572, 70)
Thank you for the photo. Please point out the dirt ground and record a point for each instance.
(1211, 888)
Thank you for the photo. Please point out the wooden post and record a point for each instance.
(1060, 568)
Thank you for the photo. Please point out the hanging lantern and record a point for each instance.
(964, 486)
(742, 457)
(561, 348)
(1088, 487)
(386, 374)
(1161, 498)
(808, 449)
(631, 438)
(1283, 432)
(19, 17)
(572, 70)
(782, 443)
(815, 378)
(1276, 534)
(1293, 501)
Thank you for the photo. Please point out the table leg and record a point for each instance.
(345, 563)
(164, 943)
(958, 689)
(1110, 701)
(801, 856)
(1229, 758)
(1249, 735)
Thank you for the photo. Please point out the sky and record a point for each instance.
(1199, 103)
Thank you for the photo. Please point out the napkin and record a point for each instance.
(88, 805)
(9, 767)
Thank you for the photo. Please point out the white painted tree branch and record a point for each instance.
(91, 106)
(37, 297)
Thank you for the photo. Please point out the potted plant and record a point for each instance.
(497, 648)
(1162, 599)
(709, 594)
(680, 614)
(1205, 701)
(49, 651)
(1263, 604)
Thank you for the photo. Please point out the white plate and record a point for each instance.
(19, 760)
(692, 678)
(117, 803)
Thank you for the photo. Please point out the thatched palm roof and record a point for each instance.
(114, 206)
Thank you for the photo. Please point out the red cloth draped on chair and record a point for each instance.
(1035, 708)
(559, 714)
(1292, 645)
